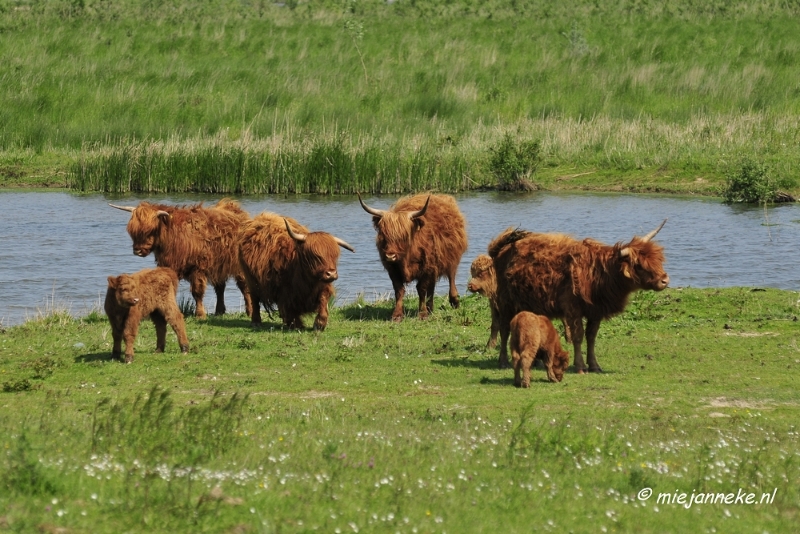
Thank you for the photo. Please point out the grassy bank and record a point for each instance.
(254, 96)
(378, 427)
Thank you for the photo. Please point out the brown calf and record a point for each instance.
(132, 297)
(533, 337)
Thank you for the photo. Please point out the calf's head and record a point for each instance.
(642, 261)
(125, 288)
(395, 229)
(318, 253)
(555, 372)
(145, 226)
(482, 277)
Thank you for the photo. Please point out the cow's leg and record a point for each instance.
(592, 327)
(248, 299)
(174, 317)
(575, 326)
(505, 330)
(321, 320)
(117, 326)
(197, 283)
(219, 289)
(399, 293)
(494, 329)
(130, 333)
(453, 293)
(161, 330)
(425, 290)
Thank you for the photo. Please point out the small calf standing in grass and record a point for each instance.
(132, 297)
(532, 337)
(483, 281)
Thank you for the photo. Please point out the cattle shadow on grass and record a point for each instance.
(367, 312)
(490, 363)
(95, 357)
(504, 381)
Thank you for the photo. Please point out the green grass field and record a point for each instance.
(251, 96)
(373, 426)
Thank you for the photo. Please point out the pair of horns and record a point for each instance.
(625, 252)
(380, 213)
(301, 238)
(159, 213)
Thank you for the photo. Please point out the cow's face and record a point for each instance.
(395, 235)
(145, 228)
(319, 257)
(644, 265)
(482, 277)
(126, 290)
(559, 366)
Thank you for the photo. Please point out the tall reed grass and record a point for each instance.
(340, 163)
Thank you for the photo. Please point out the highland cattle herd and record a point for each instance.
(529, 278)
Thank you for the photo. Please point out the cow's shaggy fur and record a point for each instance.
(484, 282)
(560, 277)
(533, 337)
(132, 297)
(198, 243)
(422, 247)
(294, 276)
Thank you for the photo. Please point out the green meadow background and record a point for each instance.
(330, 97)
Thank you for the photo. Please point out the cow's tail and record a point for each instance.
(509, 235)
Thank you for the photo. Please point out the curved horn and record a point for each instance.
(123, 208)
(297, 237)
(162, 213)
(625, 252)
(371, 211)
(343, 244)
(652, 234)
(420, 213)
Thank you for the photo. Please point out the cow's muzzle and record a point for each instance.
(330, 276)
(663, 283)
(141, 252)
(391, 257)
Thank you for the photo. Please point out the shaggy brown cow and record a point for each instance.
(132, 297)
(198, 243)
(422, 238)
(559, 277)
(287, 266)
(533, 337)
(483, 281)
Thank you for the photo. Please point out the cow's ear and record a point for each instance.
(419, 222)
(112, 282)
(163, 216)
(626, 270)
(375, 221)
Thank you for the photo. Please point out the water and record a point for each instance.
(57, 249)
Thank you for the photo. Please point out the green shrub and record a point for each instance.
(754, 182)
(513, 164)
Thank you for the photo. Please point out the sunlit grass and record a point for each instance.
(375, 426)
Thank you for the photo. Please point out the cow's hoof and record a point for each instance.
(581, 371)
(595, 370)
(184, 349)
(128, 359)
(159, 351)
(526, 385)
(397, 318)
(454, 302)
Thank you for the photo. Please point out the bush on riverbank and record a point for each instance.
(753, 182)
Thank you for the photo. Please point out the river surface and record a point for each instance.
(57, 249)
